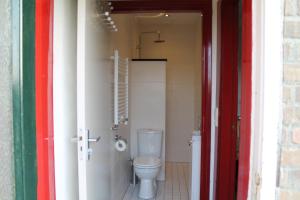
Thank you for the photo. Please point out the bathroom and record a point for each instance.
(84, 97)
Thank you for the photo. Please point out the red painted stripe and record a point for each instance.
(44, 104)
(245, 136)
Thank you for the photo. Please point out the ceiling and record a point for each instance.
(173, 18)
(161, 5)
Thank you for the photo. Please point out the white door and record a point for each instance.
(64, 99)
(94, 117)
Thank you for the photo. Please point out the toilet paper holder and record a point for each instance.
(118, 137)
(120, 144)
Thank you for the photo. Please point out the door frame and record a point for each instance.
(228, 102)
(246, 102)
(44, 75)
(246, 97)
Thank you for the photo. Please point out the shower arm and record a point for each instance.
(139, 46)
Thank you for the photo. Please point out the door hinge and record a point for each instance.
(257, 179)
(257, 184)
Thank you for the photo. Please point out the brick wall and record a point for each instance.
(289, 182)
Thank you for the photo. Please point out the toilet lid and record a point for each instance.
(146, 161)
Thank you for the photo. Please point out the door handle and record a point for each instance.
(84, 141)
(94, 139)
(190, 142)
(76, 139)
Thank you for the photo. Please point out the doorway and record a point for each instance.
(205, 8)
(68, 103)
(65, 79)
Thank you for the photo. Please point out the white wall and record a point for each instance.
(179, 49)
(148, 102)
(198, 75)
(65, 126)
(120, 174)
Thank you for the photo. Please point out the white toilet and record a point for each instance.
(147, 164)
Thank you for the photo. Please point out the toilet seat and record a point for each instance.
(147, 162)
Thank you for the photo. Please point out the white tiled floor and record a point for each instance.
(176, 186)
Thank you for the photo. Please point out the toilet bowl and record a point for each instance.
(147, 169)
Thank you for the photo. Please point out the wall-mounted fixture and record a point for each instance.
(104, 9)
(120, 90)
(158, 40)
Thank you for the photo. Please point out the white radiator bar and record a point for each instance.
(120, 90)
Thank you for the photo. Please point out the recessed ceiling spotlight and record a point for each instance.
(166, 15)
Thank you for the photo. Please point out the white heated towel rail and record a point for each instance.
(120, 90)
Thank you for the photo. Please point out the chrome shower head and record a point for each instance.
(139, 46)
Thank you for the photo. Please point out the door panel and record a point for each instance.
(226, 171)
(94, 79)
